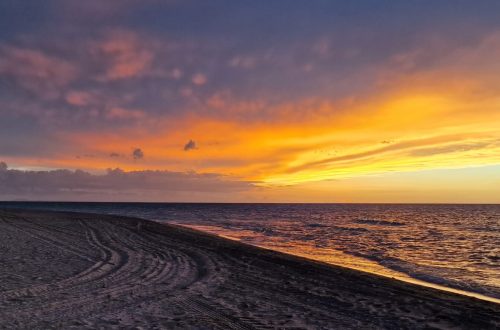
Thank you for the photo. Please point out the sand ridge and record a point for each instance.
(71, 270)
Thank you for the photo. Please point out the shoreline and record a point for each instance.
(95, 269)
(403, 277)
(385, 272)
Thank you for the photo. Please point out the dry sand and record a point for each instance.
(70, 270)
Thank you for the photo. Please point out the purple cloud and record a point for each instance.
(191, 145)
(115, 184)
(138, 154)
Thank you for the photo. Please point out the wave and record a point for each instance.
(375, 222)
(426, 273)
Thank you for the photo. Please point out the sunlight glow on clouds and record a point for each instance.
(324, 91)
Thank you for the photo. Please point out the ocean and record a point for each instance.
(455, 246)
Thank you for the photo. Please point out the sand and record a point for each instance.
(82, 271)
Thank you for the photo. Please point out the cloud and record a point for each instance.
(36, 71)
(244, 62)
(422, 147)
(452, 148)
(132, 73)
(124, 114)
(191, 145)
(138, 154)
(115, 184)
(199, 79)
(78, 98)
(176, 73)
(127, 56)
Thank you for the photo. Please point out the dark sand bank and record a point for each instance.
(70, 270)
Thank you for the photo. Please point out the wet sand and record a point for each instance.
(71, 270)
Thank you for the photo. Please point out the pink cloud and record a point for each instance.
(36, 71)
(124, 114)
(78, 98)
(199, 79)
(176, 73)
(186, 92)
(127, 55)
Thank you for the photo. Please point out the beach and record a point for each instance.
(75, 270)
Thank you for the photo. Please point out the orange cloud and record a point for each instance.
(439, 117)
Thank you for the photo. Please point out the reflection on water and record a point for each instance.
(302, 249)
(453, 245)
(333, 257)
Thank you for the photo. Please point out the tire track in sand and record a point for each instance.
(129, 266)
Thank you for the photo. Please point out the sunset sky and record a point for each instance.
(250, 101)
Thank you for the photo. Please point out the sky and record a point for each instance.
(250, 101)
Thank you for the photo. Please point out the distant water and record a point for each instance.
(457, 246)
